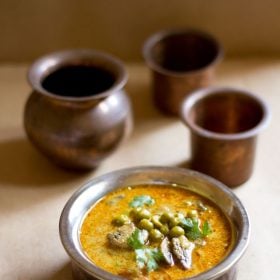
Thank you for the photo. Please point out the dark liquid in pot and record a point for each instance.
(78, 81)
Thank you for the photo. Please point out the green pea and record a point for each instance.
(193, 214)
(164, 229)
(174, 222)
(176, 231)
(156, 222)
(146, 224)
(135, 212)
(121, 220)
(166, 217)
(144, 214)
(155, 234)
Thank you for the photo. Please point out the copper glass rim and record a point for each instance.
(82, 200)
(256, 110)
(178, 47)
(49, 63)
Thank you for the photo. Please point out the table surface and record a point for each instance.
(33, 191)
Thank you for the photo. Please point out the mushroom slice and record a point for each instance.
(165, 250)
(120, 236)
(182, 249)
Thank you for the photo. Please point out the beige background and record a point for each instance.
(33, 191)
(31, 28)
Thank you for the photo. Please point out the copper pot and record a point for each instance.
(224, 124)
(181, 61)
(77, 129)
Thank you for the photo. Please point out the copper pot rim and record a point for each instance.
(160, 35)
(48, 63)
(195, 96)
(78, 257)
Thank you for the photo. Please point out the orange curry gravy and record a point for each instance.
(98, 223)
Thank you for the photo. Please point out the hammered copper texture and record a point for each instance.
(228, 161)
(224, 124)
(77, 132)
(169, 91)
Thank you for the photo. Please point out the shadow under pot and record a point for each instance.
(78, 112)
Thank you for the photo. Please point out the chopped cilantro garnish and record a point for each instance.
(187, 223)
(149, 258)
(141, 258)
(206, 229)
(141, 200)
(136, 240)
(193, 231)
(146, 257)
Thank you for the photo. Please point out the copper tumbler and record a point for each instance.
(224, 124)
(181, 61)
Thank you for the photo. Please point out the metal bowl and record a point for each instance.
(82, 200)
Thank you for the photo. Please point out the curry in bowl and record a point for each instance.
(155, 232)
(147, 223)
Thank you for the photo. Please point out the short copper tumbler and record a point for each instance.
(224, 123)
(181, 61)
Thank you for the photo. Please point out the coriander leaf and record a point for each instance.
(141, 258)
(149, 258)
(206, 229)
(141, 200)
(151, 264)
(154, 256)
(157, 254)
(136, 240)
(187, 223)
(194, 233)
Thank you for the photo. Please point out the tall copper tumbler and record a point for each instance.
(224, 124)
(181, 61)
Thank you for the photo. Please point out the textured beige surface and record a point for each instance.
(33, 191)
(31, 28)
